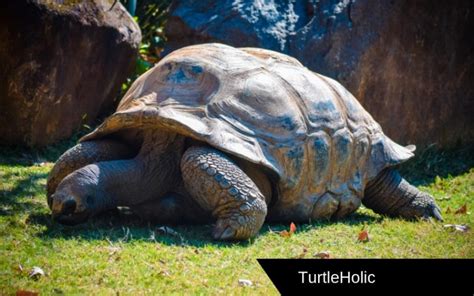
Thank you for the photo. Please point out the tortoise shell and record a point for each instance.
(267, 108)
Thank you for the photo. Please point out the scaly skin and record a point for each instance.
(390, 194)
(81, 155)
(221, 187)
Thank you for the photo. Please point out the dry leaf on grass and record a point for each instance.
(292, 227)
(322, 255)
(286, 233)
(462, 210)
(36, 273)
(456, 227)
(26, 293)
(363, 236)
(245, 283)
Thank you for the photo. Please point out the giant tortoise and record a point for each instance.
(237, 136)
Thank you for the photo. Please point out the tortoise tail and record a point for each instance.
(390, 194)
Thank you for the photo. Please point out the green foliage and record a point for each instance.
(151, 16)
(118, 253)
(141, 66)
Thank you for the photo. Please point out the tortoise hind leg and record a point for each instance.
(391, 195)
(221, 187)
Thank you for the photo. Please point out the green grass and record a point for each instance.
(117, 253)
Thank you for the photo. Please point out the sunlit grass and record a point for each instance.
(117, 253)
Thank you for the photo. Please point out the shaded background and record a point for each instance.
(410, 63)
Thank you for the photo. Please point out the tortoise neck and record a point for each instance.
(151, 174)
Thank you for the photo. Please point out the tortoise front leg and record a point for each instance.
(81, 155)
(221, 187)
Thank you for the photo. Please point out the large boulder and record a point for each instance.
(62, 64)
(410, 63)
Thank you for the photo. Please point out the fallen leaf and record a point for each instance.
(26, 293)
(36, 273)
(363, 236)
(456, 227)
(286, 233)
(322, 255)
(448, 210)
(461, 210)
(245, 283)
(292, 228)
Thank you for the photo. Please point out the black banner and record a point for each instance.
(371, 276)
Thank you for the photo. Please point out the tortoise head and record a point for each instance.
(77, 197)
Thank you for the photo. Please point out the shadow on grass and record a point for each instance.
(21, 197)
(116, 227)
